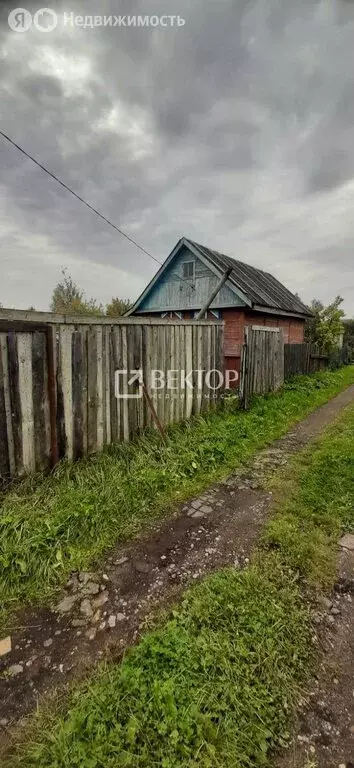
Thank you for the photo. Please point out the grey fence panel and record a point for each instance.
(262, 362)
(304, 359)
(58, 383)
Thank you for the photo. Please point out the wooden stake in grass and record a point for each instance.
(154, 414)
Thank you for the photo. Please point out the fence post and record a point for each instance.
(244, 371)
(52, 394)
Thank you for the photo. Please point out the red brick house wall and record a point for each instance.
(235, 321)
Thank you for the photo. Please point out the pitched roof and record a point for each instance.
(260, 287)
(260, 290)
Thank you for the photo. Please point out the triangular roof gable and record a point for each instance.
(182, 243)
(262, 289)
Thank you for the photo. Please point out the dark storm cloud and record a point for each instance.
(235, 129)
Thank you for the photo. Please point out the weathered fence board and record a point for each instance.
(303, 358)
(4, 448)
(106, 386)
(65, 386)
(40, 395)
(262, 362)
(15, 402)
(8, 464)
(75, 411)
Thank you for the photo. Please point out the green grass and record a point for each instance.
(53, 525)
(213, 687)
(314, 503)
(216, 684)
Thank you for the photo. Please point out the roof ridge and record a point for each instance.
(225, 255)
(268, 292)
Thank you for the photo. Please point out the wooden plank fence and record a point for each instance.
(58, 383)
(262, 362)
(309, 358)
(303, 358)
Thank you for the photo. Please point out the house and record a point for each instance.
(249, 296)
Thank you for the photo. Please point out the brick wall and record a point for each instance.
(235, 321)
(297, 331)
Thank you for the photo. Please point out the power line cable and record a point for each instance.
(88, 205)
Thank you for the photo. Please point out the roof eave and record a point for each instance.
(285, 312)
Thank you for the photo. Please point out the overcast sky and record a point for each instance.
(236, 129)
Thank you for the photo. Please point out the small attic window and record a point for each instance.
(188, 270)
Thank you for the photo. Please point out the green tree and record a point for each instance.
(68, 299)
(348, 338)
(118, 307)
(326, 325)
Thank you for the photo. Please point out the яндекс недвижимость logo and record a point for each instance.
(21, 20)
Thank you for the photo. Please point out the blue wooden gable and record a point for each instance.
(178, 287)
